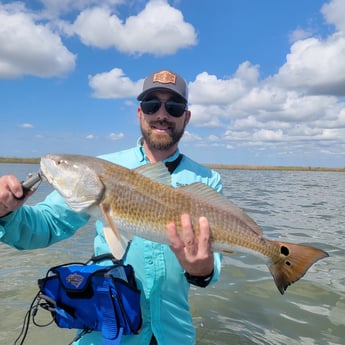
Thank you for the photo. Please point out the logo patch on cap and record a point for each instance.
(164, 77)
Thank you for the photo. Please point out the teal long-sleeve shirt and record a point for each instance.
(164, 289)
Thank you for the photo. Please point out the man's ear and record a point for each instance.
(188, 116)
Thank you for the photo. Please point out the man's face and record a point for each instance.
(160, 130)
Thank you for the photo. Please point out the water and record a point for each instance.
(244, 307)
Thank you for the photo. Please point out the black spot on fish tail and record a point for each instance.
(284, 250)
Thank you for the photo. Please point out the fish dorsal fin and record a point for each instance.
(207, 194)
(156, 171)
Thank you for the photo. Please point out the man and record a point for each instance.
(163, 273)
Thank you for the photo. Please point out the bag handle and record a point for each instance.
(106, 256)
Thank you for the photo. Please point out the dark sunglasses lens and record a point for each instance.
(150, 106)
(175, 108)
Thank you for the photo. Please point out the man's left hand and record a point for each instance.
(194, 253)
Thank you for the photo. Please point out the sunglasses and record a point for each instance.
(174, 108)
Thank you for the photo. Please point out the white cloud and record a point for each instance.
(268, 135)
(209, 89)
(299, 34)
(114, 84)
(30, 48)
(268, 112)
(334, 13)
(26, 125)
(302, 103)
(144, 33)
(213, 138)
(190, 137)
(56, 8)
(315, 66)
(116, 136)
(31, 42)
(246, 123)
(206, 115)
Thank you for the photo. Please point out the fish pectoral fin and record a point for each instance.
(227, 252)
(110, 222)
(293, 263)
(116, 242)
(117, 248)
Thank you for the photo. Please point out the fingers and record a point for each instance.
(11, 184)
(193, 252)
(176, 243)
(10, 192)
(204, 240)
(185, 242)
(189, 239)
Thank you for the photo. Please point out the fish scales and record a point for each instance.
(162, 205)
(142, 202)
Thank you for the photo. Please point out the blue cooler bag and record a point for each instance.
(93, 297)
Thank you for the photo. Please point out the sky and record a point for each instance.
(266, 78)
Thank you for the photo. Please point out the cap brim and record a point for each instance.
(146, 92)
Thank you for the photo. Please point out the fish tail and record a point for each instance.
(293, 263)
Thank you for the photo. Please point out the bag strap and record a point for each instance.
(112, 330)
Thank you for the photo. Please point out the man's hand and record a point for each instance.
(11, 193)
(194, 253)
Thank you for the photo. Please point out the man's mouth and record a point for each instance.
(161, 126)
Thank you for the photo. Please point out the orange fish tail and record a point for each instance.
(293, 263)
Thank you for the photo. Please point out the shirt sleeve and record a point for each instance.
(39, 226)
(217, 267)
(216, 184)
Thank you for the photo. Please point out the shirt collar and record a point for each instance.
(142, 155)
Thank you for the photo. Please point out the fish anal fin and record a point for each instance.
(293, 263)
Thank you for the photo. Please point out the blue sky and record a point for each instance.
(266, 78)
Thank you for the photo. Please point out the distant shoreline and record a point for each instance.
(14, 160)
(272, 167)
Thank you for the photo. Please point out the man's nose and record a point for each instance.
(162, 112)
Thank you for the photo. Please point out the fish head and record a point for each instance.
(75, 178)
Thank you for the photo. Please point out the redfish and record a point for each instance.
(142, 202)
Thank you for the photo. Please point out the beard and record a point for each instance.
(161, 141)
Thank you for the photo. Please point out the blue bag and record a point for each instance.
(93, 297)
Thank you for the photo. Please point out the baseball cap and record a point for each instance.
(164, 80)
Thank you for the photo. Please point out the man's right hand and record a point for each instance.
(11, 193)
